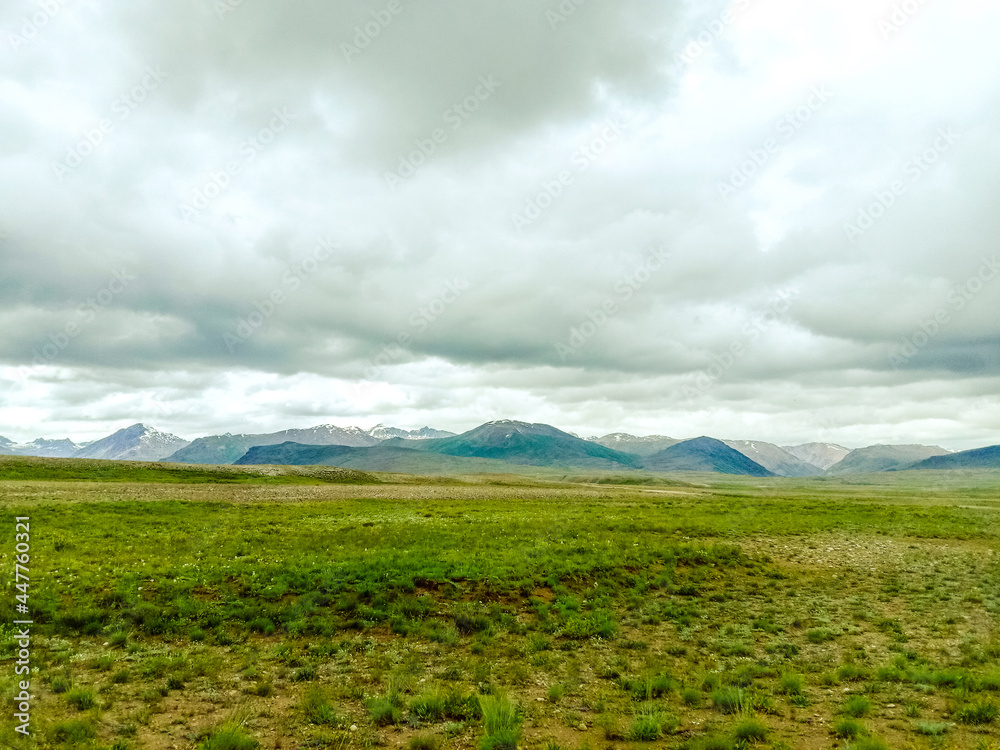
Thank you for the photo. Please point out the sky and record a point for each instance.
(766, 219)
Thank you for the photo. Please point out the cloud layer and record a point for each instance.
(760, 220)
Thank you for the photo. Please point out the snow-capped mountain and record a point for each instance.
(135, 443)
(40, 447)
(381, 432)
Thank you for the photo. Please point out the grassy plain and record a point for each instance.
(307, 609)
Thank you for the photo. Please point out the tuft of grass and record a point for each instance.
(857, 706)
(72, 732)
(228, 737)
(931, 728)
(691, 697)
(501, 721)
(556, 692)
(978, 713)
(820, 635)
(868, 743)
(81, 699)
(430, 706)
(730, 700)
(316, 707)
(849, 729)
(750, 729)
(791, 684)
(423, 742)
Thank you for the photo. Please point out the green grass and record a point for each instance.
(978, 713)
(410, 608)
(857, 706)
(751, 730)
(228, 738)
(849, 729)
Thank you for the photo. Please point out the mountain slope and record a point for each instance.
(388, 458)
(704, 454)
(135, 443)
(639, 446)
(381, 432)
(773, 458)
(822, 455)
(40, 447)
(531, 445)
(978, 458)
(883, 458)
(225, 449)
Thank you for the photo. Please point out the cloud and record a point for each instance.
(295, 194)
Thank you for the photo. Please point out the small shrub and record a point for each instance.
(60, 684)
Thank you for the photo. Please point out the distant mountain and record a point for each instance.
(225, 449)
(389, 458)
(381, 432)
(640, 446)
(704, 454)
(531, 445)
(40, 447)
(135, 443)
(979, 458)
(823, 455)
(773, 458)
(883, 458)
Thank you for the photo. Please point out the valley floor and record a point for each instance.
(489, 612)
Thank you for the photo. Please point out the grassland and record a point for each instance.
(302, 609)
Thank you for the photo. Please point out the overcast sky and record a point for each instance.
(766, 219)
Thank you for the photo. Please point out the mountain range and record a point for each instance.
(500, 445)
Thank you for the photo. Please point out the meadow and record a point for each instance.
(310, 608)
